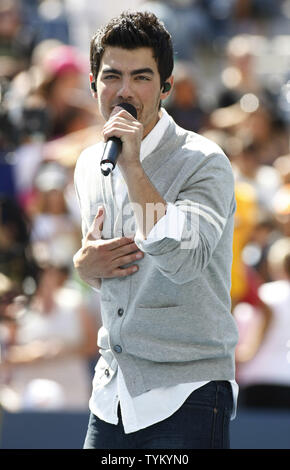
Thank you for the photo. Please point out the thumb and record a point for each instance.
(96, 228)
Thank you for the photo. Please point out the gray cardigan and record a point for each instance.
(170, 322)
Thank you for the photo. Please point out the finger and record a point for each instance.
(119, 111)
(122, 118)
(123, 260)
(121, 123)
(118, 132)
(96, 228)
(122, 272)
(114, 243)
(125, 250)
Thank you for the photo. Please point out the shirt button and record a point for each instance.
(120, 312)
(117, 348)
(107, 372)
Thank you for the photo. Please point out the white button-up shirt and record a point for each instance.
(160, 403)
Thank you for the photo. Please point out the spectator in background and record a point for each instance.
(27, 82)
(52, 105)
(8, 292)
(16, 40)
(184, 104)
(54, 233)
(265, 378)
(15, 254)
(268, 133)
(253, 123)
(245, 279)
(264, 233)
(55, 337)
(239, 75)
(263, 179)
(245, 216)
(62, 91)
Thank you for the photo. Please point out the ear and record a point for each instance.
(93, 85)
(165, 93)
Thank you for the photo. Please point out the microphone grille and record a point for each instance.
(130, 108)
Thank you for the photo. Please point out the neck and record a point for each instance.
(153, 125)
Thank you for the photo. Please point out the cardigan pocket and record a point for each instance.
(172, 334)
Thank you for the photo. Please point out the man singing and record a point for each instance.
(157, 242)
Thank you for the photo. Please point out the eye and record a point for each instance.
(142, 78)
(110, 77)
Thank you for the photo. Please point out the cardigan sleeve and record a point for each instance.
(207, 200)
(169, 226)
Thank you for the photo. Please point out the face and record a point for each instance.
(130, 76)
(64, 86)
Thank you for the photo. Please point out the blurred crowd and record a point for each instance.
(232, 85)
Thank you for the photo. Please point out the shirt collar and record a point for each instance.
(150, 142)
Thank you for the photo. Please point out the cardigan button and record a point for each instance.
(117, 348)
(120, 312)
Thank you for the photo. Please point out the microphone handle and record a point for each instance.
(112, 150)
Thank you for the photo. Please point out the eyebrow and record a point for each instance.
(134, 72)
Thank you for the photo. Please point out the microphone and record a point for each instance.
(113, 146)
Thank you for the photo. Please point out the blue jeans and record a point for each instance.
(202, 422)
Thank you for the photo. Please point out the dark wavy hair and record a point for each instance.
(132, 30)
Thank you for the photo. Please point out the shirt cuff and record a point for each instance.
(169, 226)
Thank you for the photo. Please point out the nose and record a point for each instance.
(125, 90)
